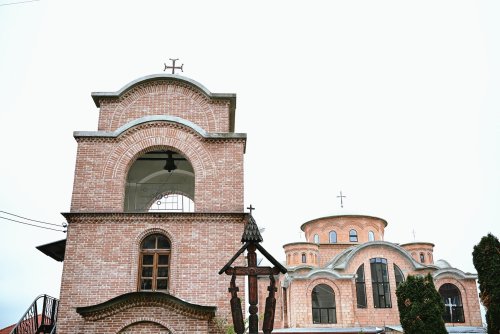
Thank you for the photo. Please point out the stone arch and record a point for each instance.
(308, 297)
(142, 320)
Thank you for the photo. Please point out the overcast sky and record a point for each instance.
(393, 102)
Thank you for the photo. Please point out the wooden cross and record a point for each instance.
(251, 208)
(173, 67)
(341, 197)
(450, 305)
(251, 237)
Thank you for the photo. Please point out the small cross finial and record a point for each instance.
(251, 208)
(341, 201)
(173, 67)
(413, 234)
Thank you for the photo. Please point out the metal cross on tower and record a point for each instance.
(341, 201)
(173, 67)
(251, 208)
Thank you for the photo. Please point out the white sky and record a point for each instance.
(393, 102)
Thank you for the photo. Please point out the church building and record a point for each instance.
(157, 209)
(345, 277)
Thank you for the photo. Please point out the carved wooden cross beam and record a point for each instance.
(252, 238)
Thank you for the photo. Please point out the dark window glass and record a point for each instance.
(398, 274)
(323, 305)
(304, 258)
(422, 258)
(380, 283)
(154, 264)
(454, 311)
(361, 287)
(353, 236)
(333, 237)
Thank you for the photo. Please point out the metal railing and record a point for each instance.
(34, 323)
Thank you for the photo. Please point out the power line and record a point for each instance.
(16, 3)
(20, 222)
(33, 220)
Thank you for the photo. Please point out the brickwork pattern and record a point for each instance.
(103, 163)
(102, 254)
(164, 97)
(348, 314)
(342, 225)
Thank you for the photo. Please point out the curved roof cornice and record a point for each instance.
(453, 272)
(231, 97)
(343, 259)
(157, 77)
(156, 118)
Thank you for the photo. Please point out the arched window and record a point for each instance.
(360, 287)
(454, 311)
(380, 283)
(422, 258)
(353, 236)
(398, 274)
(154, 263)
(304, 258)
(316, 239)
(333, 237)
(371, 236)
(323, 305)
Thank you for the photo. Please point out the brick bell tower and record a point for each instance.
(156, 211)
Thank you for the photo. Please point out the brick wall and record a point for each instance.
(102, 254)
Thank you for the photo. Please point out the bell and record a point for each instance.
(170, 163)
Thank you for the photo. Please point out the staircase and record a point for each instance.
(34, 323)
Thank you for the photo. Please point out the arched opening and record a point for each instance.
(160, 180)
(333, 237)
(316, 239)
(361, 287)
(323, 305)
(371, 236)
(454, 311)
(353, 236)
(398, 275)
(154, 263)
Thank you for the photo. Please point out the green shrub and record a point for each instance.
(420, 306)
(486, 258)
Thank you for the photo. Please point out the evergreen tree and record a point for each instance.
(486, 258)
(420, 306)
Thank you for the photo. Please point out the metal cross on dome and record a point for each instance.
(173, 67)
(341, 201)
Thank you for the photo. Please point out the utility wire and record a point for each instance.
(33, 220)
(20, 222)
(16, 3)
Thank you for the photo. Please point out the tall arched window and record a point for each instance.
(154, 263)
(360, 287)
(454, 311)
(304, 258)
(380, 283)
(371, 236)
(422, 258)
(353, 236)
(323, 305)
(398, 274)
(333, 237)
(316, 239)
